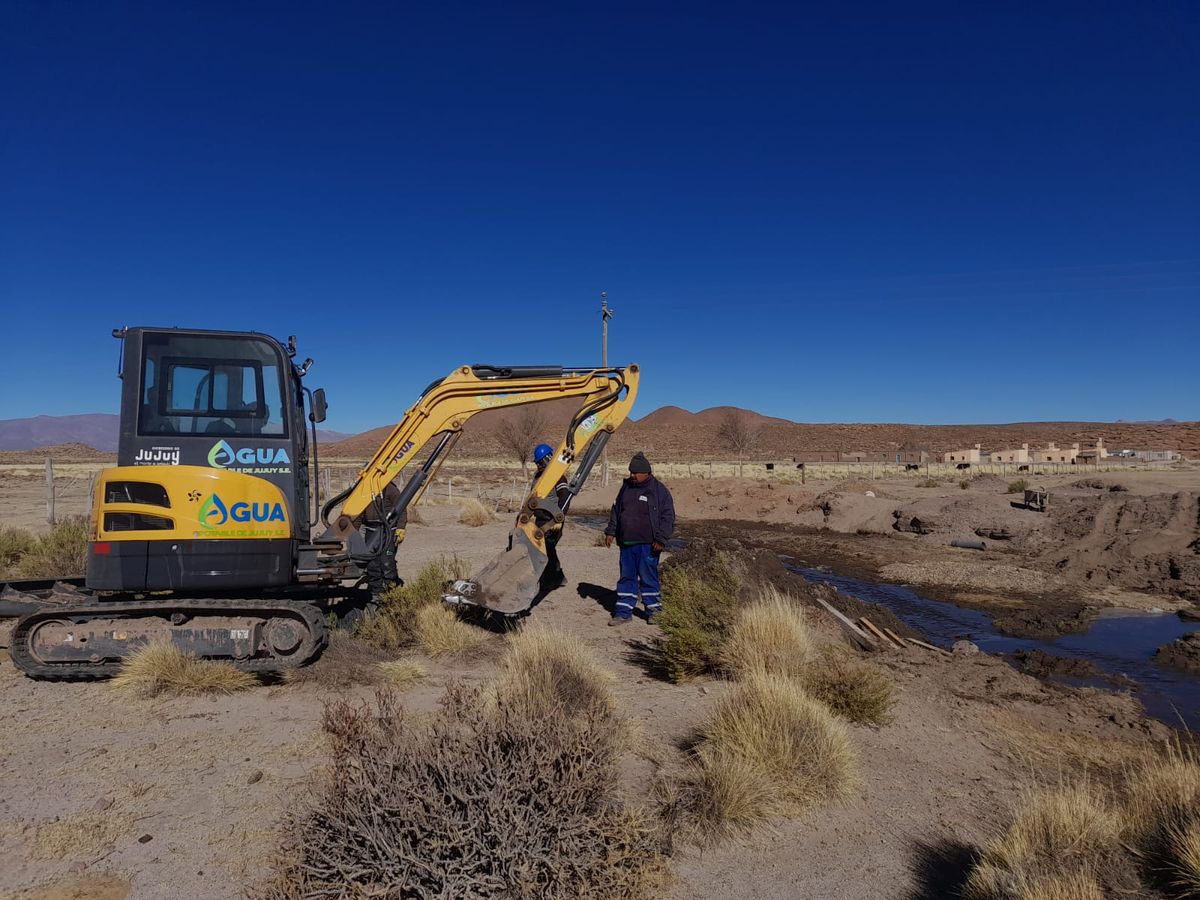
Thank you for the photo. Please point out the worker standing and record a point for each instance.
(642, 521)
(553, 576)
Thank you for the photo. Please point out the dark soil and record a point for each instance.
(1041, 664)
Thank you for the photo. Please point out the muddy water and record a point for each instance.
(1120, 643)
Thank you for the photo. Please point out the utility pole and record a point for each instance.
(605, 315)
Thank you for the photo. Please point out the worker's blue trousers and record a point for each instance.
(639, 576)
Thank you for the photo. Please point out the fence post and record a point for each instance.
(450, 488)
(50, 490)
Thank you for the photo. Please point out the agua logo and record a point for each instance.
(224, 456)
(214, 513)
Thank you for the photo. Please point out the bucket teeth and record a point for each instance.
(509, 583)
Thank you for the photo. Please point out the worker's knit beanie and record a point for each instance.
(639, 463)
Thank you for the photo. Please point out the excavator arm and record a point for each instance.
(509, 583)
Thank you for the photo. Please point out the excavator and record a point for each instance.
(210, 534)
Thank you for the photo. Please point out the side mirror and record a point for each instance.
(319, 406)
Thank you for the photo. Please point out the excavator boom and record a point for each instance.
(509, 583)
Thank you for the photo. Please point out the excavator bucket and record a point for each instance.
(509, 583)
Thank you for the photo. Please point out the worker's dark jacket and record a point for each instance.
(660, 512)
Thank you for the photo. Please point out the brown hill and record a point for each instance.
(672, 433)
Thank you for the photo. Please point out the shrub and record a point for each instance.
(700, 599)
(1062, 844)
(472, 512)
(347, 661)
(965, 483)
(14, 544)
(480, 800)
(855, 690)
(720, 795)
(60, 554)
(1018, 487)
(162, 668)
(929, 483)
(392, 627)
(770, 636)
(439, 630)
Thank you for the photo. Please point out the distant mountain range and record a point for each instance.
(672, 433)
(97, 430)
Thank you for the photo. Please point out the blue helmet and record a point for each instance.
(542, 452)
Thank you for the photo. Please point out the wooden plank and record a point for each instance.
(895, 637)
(929, 646)
(861, 637)
(870, 626)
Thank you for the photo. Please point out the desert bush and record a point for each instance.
(345, 662)
(853, 689)
(162, 668)
(61, 553)
(392, 626)
(1063, 844)
(700, 600)
(401, 673)
(770, 636)
(472, 512)
(929, 483)
(1117, 487)
(1161, 808)
(1018, 487)
(1093, 483)
(549, 671)
(479, 800)
(14, 544)
(965, 483)
(438, 630)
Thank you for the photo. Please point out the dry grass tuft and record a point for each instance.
(855, 690)
(162, 668)
(14, 544)
(549, 671)
(82, 833)
(770, 721)
(770, 636)
(1161, 807)
(472, 512)
(1062, 844)
(60, 554)
(481, 800)
(393, 627)
(401, 673)
(721, 795)
(439, 630)
(1185, 856)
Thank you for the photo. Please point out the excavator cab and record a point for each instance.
(211, 488)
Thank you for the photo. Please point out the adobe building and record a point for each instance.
(1018, 455)
(1052, 453)
(971, 455)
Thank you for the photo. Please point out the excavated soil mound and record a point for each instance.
(1183, 654)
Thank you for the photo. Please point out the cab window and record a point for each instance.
(194, 384)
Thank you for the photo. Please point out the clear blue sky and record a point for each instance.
(914, 212)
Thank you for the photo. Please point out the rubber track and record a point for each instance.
(312, 617)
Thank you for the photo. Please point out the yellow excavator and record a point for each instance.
(206, 532)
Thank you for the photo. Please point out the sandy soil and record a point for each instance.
(182, 796)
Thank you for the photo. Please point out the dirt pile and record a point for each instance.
(1147, 543)
(1183, 654)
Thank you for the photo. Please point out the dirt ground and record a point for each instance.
(106, 795)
